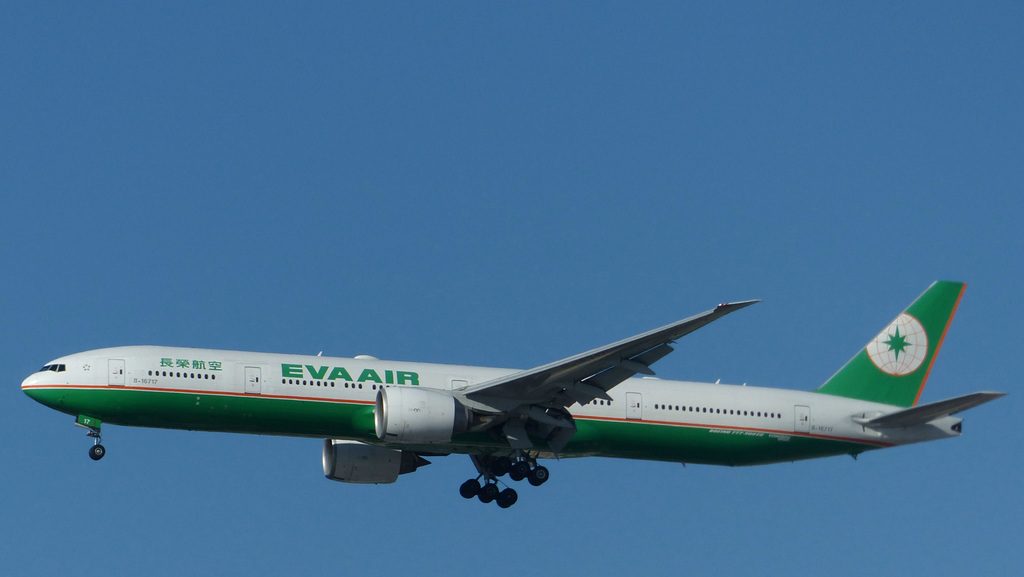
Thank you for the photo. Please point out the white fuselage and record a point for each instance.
(152, 383)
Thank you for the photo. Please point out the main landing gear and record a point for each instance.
(493, 467)
(97, 451)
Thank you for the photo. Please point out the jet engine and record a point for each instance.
(418, 416)
(355, 462)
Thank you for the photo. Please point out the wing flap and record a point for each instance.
(610, 377)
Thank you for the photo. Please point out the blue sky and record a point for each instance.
(506, 185)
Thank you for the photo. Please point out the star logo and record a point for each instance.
(897, 344)
(900, 348)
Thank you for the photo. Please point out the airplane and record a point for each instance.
(380, 419)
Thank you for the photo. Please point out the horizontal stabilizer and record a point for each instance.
(922, 414)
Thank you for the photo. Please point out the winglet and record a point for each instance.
(737, 305)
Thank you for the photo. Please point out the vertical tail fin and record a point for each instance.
(894, 366)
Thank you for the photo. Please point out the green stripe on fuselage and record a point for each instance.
(700, 445)
(211, 412)
(336, 419)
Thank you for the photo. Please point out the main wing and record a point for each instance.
(590, 375)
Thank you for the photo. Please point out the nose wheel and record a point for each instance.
(96, 452)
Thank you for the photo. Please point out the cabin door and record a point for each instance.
(634, 406)
(116, 372)
(802, 419)
(252, 380)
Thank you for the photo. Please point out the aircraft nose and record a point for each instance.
(29, 385)
(51, 374)
(32, 379)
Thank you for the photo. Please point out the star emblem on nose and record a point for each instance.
(86, 367)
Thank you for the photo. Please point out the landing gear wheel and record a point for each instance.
(500, 466)
(539, 475)
(96, 452)
(519, 471)
(488, 493)
(507, 498)
(470, 489)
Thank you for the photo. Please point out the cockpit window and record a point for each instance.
(55, 368)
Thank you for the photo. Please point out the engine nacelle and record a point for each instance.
(418, 416)
(355, 462)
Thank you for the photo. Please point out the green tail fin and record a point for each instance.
(894, 366)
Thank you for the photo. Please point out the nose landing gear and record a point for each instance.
(97, 451)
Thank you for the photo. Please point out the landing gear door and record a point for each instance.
(802, 419)
(253, 386)
(634, 406)
(115, 369)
